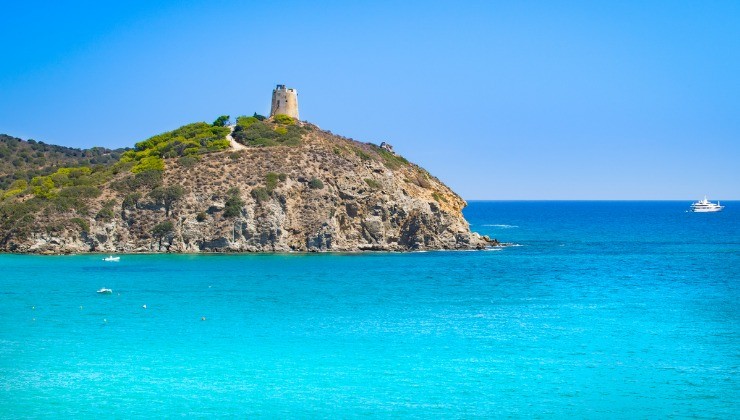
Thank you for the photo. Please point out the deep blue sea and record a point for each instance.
(605, 310)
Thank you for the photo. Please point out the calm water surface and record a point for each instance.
(607, 309)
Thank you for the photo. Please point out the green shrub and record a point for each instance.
(218, 145)
(80, 191)
(260, 194)
(439, 197)
(191, 139)
(66, 203)
(106, 213)
(42, 187)
(284, 119)
(131, 200)
(150, 178)
(187, 161)
(234, 203)
(372, 183)
(81, 223)
(163, 229)
(265, 134)
(271, 181)
(16, 188)
(362, 154)
(167, 196)
(245, 122)
(315, 184)
(149, 163)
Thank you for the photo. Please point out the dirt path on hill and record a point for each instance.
(234, 144)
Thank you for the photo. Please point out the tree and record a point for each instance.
(162, 229)
(234, 203)
(167, 196)
(222, 121)
(130, 201)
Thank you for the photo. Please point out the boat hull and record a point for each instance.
(712, 210)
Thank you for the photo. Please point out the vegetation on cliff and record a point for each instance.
(21, 160)
(188, 140)
(281, 131)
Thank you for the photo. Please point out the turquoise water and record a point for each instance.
(608, 309)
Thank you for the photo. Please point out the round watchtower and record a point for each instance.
(284, 101)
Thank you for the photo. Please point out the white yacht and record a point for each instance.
(111, 258)
(105, 291)
(706, 206)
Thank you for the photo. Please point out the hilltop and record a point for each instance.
(261, 185)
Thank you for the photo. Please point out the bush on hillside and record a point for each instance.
(167, 196)
(250, 131)
(234, 203)
(284, 119)
(191, 139)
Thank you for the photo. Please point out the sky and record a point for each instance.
(501, 100)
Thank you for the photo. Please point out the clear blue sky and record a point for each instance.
(501, 100)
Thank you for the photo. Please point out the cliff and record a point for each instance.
(302, 189)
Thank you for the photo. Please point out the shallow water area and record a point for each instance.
(607, 309)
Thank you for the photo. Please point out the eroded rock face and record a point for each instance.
(365, 200)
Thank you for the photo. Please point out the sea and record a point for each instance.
(607, 309)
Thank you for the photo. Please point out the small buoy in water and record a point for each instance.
(105, 320)
(144, 306)
(209, 287)
(33, 307)
(33, 319)
(202, 318)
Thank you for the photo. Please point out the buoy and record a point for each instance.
(33, 307)
(105, 320)
(202, 318)
(144, 306)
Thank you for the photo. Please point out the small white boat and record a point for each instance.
(112, 258)
(706, 206)
(105, 291)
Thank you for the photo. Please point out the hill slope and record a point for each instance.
(25, 159)
(292, 187)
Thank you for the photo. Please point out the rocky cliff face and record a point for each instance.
(326, 194)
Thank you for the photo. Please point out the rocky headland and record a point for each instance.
(273, 185)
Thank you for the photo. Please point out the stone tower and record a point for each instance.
(284, 101)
